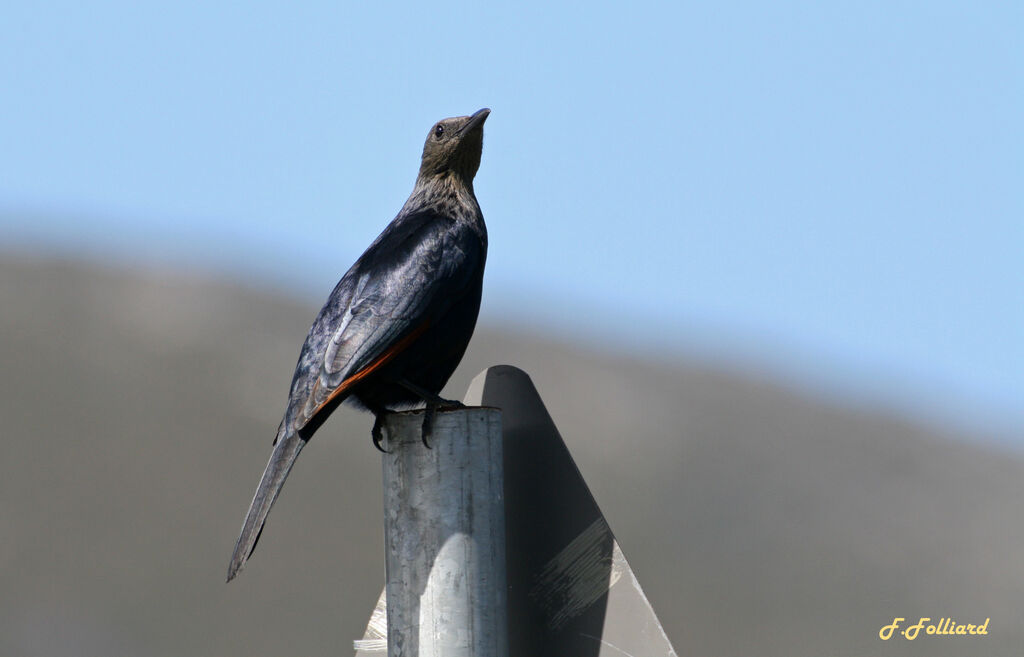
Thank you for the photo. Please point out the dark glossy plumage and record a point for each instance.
(399, 319)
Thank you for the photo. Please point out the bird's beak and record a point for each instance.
(477, 119)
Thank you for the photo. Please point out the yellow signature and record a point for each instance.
(944, 627)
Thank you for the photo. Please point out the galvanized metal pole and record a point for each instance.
(444, 535)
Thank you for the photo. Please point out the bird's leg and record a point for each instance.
(376, 433)
(428, 396)
(433, 404)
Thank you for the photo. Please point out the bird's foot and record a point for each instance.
(376, 433)
(433, 403)
(433, 406)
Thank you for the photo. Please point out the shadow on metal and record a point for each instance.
(558, 567)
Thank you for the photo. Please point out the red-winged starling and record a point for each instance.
(397, 324)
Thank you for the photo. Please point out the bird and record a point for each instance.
(398, 322)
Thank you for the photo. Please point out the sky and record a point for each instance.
(828, 192)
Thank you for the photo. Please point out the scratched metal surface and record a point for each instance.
(444, 535)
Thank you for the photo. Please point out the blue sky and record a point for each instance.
(829, 191)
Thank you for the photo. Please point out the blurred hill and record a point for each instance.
(138, 410)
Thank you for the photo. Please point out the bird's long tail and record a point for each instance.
(286, 450)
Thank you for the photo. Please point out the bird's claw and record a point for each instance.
(430, 413)
(428, 425)
(377, 435)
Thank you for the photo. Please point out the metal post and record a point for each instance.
(444, 535)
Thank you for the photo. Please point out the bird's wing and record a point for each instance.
(382, 304)
(394, 301)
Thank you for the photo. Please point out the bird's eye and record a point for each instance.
(439, 131)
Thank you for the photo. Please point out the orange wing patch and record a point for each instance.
(377, 363)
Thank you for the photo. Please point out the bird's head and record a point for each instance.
(454, 146)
